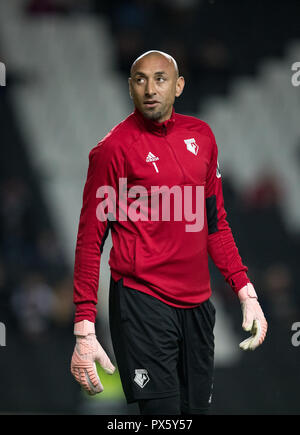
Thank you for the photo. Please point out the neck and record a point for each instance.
(165, 117)
(156, 127)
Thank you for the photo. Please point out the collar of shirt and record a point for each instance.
(158, 128)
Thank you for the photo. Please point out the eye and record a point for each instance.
(160, 79)
(139, 80)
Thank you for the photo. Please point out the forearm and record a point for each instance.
(86, 277)
(225, 255)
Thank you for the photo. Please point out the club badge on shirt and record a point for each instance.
(191, 145)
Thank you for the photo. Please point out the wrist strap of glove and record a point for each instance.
(84, 327)
(247, 292)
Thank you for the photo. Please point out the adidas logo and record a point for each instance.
(151, 158)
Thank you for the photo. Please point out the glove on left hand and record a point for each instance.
(253, 318)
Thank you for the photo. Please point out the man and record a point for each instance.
(161, 316)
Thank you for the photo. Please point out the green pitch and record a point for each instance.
(112, 386)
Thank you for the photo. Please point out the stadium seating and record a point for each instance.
(257, 129)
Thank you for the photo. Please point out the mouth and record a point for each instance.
(151, 103)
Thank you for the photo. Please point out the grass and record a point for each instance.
(111, 384)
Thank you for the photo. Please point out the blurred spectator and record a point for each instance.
(132, 14)
(265, 193)
(180, 14)
(49, 255)
(17, 225)
(213, 55)
(266, 239)
(63, 307)
(182, 5)
(279, 289)
(211, 63)
(3, 284)
(32, 302)
(130, 22)
(58, 6)
(129, 46)
(48, 6)
(15, 203)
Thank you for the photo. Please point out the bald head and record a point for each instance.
(155, 53)
(154, 83)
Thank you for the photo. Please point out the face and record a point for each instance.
(153, 86)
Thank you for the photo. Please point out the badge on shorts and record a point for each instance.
(141, 377)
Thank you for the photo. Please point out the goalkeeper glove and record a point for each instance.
(253, 318)
(87, 351)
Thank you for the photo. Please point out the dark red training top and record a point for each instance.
(165, 256)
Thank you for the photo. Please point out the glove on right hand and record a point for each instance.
(87, 351)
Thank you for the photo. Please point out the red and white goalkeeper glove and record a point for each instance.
(253, 318)
(87, 351)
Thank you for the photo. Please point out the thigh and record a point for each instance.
(197, 358)
(162, 406)
(145, 340)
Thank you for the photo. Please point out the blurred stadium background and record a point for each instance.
(67, 63)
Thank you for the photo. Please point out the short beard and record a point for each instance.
(153, 116)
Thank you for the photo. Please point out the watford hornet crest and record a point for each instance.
(141, 377)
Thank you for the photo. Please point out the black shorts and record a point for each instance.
(160, 350)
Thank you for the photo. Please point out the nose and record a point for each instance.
(150, 88)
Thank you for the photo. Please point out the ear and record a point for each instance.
(179, 86)
(129, 84)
